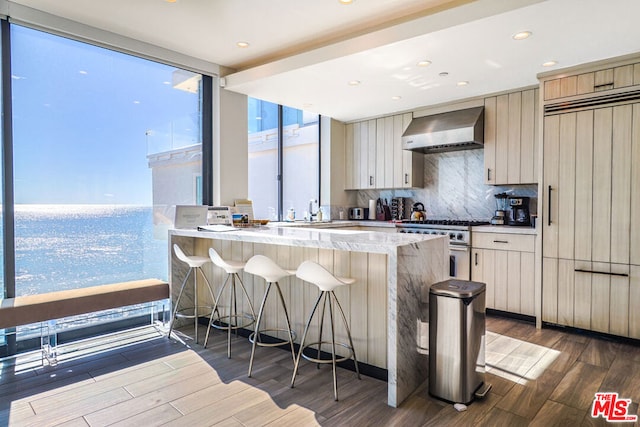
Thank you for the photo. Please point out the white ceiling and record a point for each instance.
(304, 53)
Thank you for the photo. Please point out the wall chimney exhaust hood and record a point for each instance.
(450, 131)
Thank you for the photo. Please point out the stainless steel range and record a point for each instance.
(459, 233)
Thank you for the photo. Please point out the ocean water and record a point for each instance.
(73, 246)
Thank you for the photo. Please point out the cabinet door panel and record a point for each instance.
(361, 136)
(371, 155)
(490, 114)
(527, 283)
(550, 180)
(398, 159)
(502, 138)
(566, 185)
(621, 184)
(623, 76)
(619, 303)
(527, 139)
(602, 123)
(634, 243)
(514, 135)
(566, 291)
(514, 281)
(582, 301)
(380, 151)
(585, 83)
(489, 275)
(349, 164)
(634, 297)
(584, 187)
(388, 160)
(600, 297)
(550, 290)
(476, 266)
(501, 280)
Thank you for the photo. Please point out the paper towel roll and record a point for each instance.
(372, 209)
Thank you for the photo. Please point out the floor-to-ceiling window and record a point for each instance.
(284, 159)
(104, 145)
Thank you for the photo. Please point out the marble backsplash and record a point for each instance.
(453, 188)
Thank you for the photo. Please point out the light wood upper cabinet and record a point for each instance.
(510, 138)
(374, 157)
(592, 82)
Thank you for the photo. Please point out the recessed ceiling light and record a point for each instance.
(424, 63)
(396, 98)
(170, 1)
(463, 83)
(345, 1)
(522, 35)
(549, 63)
(443, 74)
(242, 44)
(354, 82)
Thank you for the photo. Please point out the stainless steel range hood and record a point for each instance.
(450, 131)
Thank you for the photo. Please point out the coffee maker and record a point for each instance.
(519, 211)
(500, 215)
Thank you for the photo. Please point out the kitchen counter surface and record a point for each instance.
(327, 238)
(334, 224)
(503, 229)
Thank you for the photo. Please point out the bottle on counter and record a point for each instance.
(291, 214)
(319, 215)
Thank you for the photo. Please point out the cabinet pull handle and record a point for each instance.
(370, 179)
(476, 258)
(549, 206)
(488, 174)
(500, 241)
(406, 178)
(581, 270)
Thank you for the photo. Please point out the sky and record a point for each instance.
(83, 117)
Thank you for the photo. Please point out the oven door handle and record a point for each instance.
(459, 248)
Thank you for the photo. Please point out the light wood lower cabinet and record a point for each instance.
(597, 296)
(506, 264)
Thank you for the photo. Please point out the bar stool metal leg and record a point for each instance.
(326, 282)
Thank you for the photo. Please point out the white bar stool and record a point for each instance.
(316, 274)
(232, 268)
(272, 273)
(195, 264)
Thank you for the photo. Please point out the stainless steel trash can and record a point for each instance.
(456, 339)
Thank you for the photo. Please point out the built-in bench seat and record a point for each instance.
(48, 306)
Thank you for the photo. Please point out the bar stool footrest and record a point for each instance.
(218, 324)
(180, 314)
(338, 358)
(272, 344)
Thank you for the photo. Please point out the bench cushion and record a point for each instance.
(54, 305)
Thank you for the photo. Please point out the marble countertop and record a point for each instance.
(329, 238)
(504, 229)
(334, 224)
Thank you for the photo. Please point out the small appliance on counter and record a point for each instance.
(383, 212)
(356, 213)
(417, 212)
(502, 204)
(397, 209)
(519, 211)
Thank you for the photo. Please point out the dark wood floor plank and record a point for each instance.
(600, 352)
(554, 414)
(579, 385)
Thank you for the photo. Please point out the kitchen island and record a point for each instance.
(393, 273)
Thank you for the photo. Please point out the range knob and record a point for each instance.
(460, 236)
